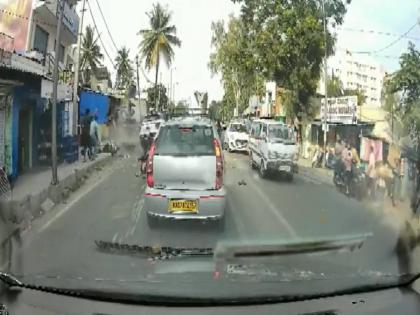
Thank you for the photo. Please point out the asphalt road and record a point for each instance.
(110, 208)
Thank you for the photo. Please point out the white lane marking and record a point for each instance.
(70, 204)
(274, 210)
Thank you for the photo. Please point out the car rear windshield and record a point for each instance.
(184, 141)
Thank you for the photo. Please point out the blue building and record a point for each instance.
(25, 135)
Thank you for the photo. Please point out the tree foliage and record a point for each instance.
(124, 76)
(232, 58)
(157, 95)
(288, 45)
(335, 89)
(402, 90)
(159, 39)
(91, 55)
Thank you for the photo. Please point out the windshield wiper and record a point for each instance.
(153, 252)
(10, 280)
(251, 249)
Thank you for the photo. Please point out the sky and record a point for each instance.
(193, 20)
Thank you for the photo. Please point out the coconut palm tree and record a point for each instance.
(158, 40)
(124, 69)
(91, 55)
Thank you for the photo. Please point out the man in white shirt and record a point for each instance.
(94, 136)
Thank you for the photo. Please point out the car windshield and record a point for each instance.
(237, 128)
(209, 149)
(280, 132)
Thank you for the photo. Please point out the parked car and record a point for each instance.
(236, 137)
(273, 148)
(184, 173)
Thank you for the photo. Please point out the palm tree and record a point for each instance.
(91, 52)
(124, 69)
(158, 40)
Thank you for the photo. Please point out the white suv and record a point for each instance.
(272, 147)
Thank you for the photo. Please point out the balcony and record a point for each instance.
(46, 11)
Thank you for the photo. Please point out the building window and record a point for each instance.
(40, 40)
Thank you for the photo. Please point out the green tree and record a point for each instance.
(405, 83)
(335, 89)
(91, 55)
(157, 96)
(287, 39)
(158, 40)
(232, 58)
(124, 77)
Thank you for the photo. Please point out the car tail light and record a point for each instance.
(219, 164)
(149, 167)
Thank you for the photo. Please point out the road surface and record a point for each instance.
(111, 208)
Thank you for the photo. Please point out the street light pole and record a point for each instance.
(325, 78)
(60, 13)
(76, 72)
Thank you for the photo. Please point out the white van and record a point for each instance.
(273, 148)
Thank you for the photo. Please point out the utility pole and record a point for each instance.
(76, 72)
(138, 84)
(60, 13)
(325, 78)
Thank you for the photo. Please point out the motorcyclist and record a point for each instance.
(347, 158)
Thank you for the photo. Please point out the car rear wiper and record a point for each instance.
(153, 252)
(234, 251)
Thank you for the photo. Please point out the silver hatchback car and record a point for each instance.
(184, 172)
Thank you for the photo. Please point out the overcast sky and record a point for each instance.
(193, 21)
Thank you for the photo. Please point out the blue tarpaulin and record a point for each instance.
(97, 103)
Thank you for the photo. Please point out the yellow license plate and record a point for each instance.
(183, 206)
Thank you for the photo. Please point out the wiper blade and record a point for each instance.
(153, 252)
(10, 280)
(246, 250)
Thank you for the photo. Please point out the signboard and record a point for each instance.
(70, 19)
(14, 28)
(340, 110)
(64, 92)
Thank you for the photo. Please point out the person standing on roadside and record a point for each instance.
(94, 136)
(371, 172)
(85, 134)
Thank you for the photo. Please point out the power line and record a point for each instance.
(99, 35)
(389, 45)
(361, 30)
(106, 25)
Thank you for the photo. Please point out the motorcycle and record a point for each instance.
(357, 184)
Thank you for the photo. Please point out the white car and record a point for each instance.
(273, 148)
(236, 137)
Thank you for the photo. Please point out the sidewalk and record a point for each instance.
(32, 193)
(34, 183)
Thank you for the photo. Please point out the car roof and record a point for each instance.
(189, 121)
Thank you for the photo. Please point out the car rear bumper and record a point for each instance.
(211, 204)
